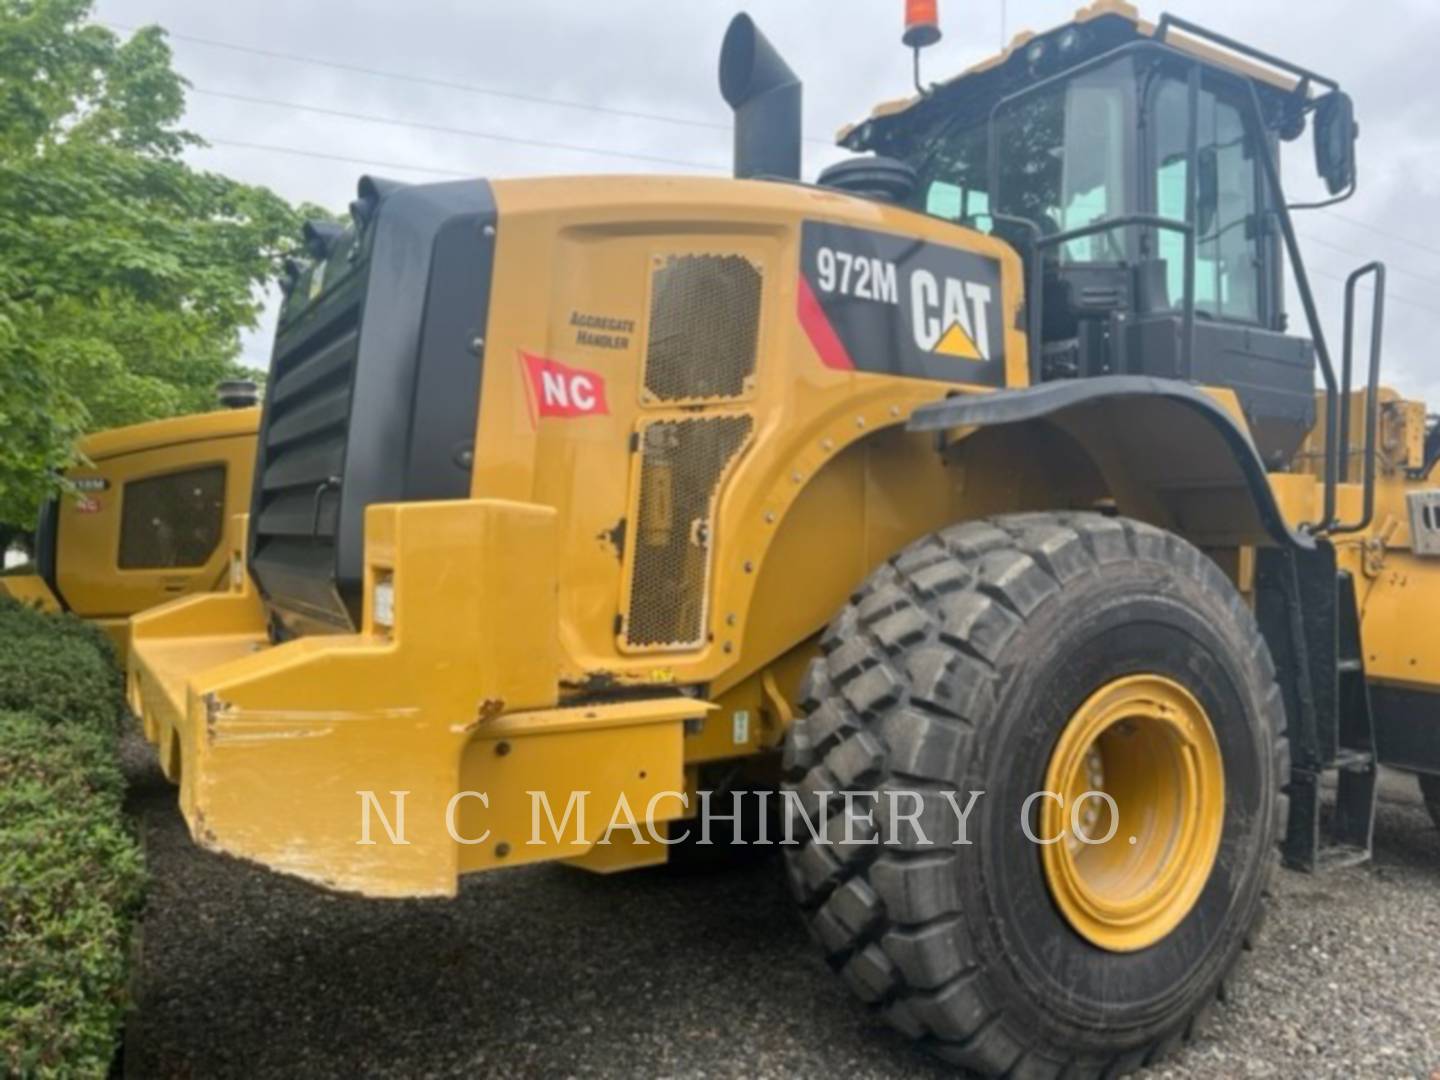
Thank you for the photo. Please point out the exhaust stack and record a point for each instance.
(766, 96)
(238, 394)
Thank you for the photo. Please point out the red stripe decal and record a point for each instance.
(833, 353)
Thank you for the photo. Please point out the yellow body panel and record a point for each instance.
(506, 605)
(29, 590)
(595, 240)
(273, 746)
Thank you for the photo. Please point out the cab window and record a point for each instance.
(174, 520)
(1227, 248)
(953, 178)
(1063, 160)
(956, 202)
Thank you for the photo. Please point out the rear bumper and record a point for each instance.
(391, 761)
(118, 631)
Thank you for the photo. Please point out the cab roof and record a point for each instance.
(1109, 24)
(199, 427)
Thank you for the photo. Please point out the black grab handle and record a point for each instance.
(1372, 391)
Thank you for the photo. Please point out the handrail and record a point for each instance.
(1372, 391)
(1312, 316)
(1143, 221)
(330, 483)
(1168, 21)
(1034, 315)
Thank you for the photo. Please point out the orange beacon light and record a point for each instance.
(922, 23)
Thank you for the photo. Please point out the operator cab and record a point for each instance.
(1103, 151)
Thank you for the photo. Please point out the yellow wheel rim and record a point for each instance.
(1147, 744)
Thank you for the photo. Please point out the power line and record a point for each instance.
(1362, 255)
(544, 144)
(444, 84)
(535, 99)
(1389, 296)
(321, 156)
(422, 80)
(370, 118)
(1381, 232)
(266, 147)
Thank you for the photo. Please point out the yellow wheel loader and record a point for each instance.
(979, 492)
(144, 517)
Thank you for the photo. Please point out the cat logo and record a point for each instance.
(891, 304)
(950, 318)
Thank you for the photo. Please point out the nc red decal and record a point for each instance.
(557, 389)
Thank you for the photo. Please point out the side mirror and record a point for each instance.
(1335, 135)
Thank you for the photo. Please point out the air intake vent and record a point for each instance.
(373, 395)
(297, 494)
(682, 466)
(704, 328)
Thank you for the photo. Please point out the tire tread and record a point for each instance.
(882, 707)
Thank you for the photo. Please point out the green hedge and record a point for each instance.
(71, 876)
(96, 659)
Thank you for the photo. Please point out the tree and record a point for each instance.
(126, 275)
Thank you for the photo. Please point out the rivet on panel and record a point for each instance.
(769, 517)
(859, 421)
(749, 567)
(502, 748)
(827, 444)
(502, 849)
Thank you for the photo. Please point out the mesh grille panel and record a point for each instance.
(704, 327)
(682, 465)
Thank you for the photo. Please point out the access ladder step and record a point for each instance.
(1351, 759)
(1340, 856)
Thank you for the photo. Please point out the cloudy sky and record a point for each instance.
(425, 66)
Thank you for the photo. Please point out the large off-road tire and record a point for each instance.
(1430, 790)
(959, 666)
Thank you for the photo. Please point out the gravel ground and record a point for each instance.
(549, 972)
